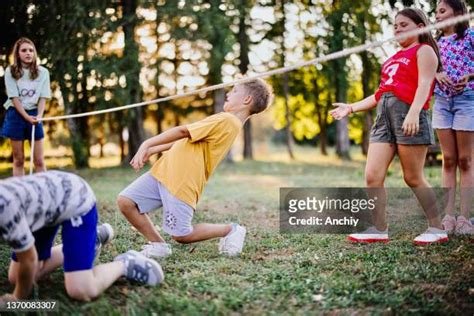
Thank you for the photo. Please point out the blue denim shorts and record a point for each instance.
(456, 112)
(16, 127)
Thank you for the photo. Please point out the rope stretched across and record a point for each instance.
(321, 59)
(324, 58)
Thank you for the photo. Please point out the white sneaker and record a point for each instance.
(232, 244)
(139, 268)
(370, 235)
(156, 250)
(431, 235)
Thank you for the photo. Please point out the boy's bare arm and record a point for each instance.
(156, 150)
(27, 261)
(160, 148)
(167, 138)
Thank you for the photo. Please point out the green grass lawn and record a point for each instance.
(277, 273)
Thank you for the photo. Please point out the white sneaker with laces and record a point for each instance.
(430, 236)
(370, 235)
(156, 250)
(233, 243)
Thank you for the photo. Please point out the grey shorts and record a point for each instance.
(149, 194)
(391, 113)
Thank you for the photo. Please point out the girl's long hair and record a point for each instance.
(419, 17)
(459, 8)
(16, 68)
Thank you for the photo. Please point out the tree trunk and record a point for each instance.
(321, 116)
(367, 123)
(339, 80)
(78, 144)
(322, 122)
(116, 128)
(218, 106)
(342, 130)
(243, 67)
(324, 141)
(248, 153)
(123, 157)
(135, 115)
(177, 119)
(101, 144)
(159, 118)
(289, 135)
(84, 106)
(219, 100)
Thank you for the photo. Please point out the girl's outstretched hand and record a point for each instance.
(341, 111)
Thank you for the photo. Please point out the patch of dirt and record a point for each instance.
(275, 254)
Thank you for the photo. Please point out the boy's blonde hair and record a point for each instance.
(261, 92)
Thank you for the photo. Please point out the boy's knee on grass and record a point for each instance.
(81, 294)
(81, 288)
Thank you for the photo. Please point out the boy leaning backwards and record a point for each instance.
(177, 179)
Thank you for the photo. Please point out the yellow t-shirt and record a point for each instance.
(186, 167)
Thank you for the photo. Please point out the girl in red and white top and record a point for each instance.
(402, 125)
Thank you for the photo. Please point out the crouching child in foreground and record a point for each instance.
(32, 208)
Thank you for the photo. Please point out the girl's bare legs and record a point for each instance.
(18, 158)
(379, 157)
(38, 156)
(447, 140)
(465, 146)
(412, 159)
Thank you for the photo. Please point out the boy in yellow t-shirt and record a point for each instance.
(191, 153)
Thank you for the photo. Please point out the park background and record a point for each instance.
(104, 54)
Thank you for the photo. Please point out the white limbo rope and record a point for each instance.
(324, 58)
(321, 59)
(32, 148)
